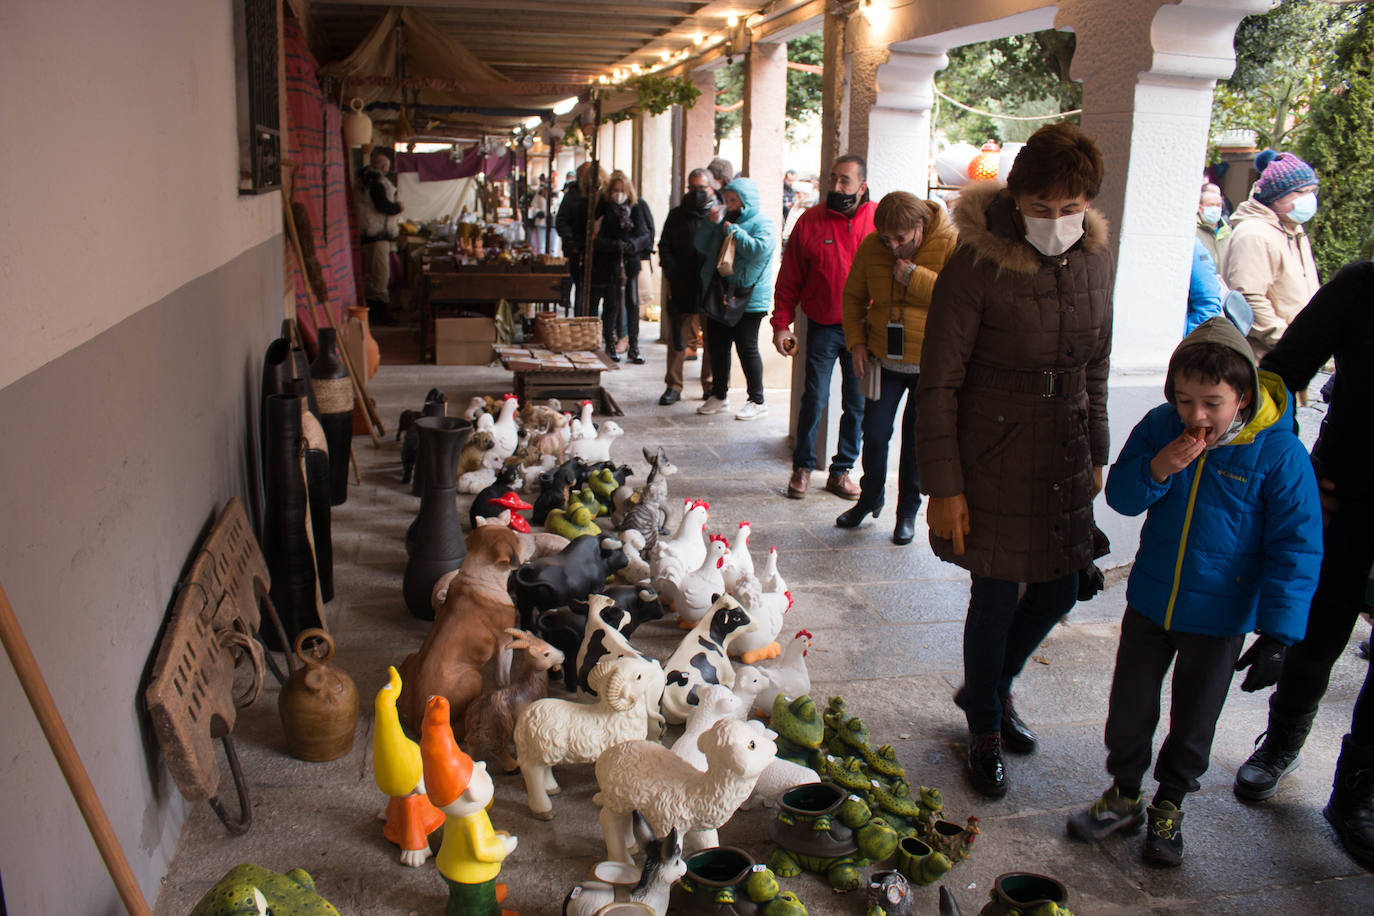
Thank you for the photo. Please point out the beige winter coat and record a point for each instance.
(1270, 261)
(1012, 401)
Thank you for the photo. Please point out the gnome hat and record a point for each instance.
(447, 769)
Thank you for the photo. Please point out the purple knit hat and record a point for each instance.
(1284, 173)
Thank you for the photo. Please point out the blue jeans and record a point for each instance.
(824, 345)
(1000, 633)
(879, 416)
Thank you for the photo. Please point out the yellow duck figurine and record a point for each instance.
(398, 771)
(471, 853)
(572, 523)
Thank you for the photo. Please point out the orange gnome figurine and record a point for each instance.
(471, 853)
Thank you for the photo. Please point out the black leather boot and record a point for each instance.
(1351, 808)
(854, 515)
(1276, 757)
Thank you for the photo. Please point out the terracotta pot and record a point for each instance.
(708, 873)
(436, 543)
(798, 808)
(372, 354)
(334, 394)
(318, 704)
(361, 347)
(1024, 892)
(285, 542)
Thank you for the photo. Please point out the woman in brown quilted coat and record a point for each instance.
(1011, 421)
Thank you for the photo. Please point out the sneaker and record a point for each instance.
(1164, 841)
(1111, 813)
(986, 769)
(842, 486)
(714, 405)
(751, 410)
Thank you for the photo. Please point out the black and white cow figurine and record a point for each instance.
(701, 658)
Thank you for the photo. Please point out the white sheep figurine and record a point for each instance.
(671, 793)
(552, 731)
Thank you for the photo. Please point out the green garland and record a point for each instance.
(655, 94)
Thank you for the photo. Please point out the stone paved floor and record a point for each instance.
(887, 624)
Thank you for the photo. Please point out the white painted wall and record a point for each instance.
(118, 125)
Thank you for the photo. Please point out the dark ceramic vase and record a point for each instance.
(285, 543)
(276, 372)
(334, 394)
(1023, 892)
(709, 872)
(437, 545)
(317, 485)
(431, 409)
(300, 363)
(794, 829)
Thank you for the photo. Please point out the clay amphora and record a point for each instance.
(436, 545)
(318, 704)
(1024, 892)
(334, 394)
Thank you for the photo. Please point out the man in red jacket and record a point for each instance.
(815, 264)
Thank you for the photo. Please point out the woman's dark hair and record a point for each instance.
(1059, 160)
(1212, 363)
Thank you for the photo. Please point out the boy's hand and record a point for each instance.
(1264, 658)
(1176, 456)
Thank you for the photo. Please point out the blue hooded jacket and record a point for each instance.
(756, 240)
(1204, 290)
(1232, 543)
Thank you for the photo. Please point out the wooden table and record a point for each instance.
(478, 292)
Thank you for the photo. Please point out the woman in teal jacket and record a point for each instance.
(750, 286)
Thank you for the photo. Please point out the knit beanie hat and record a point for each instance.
(1284, 173)
(447, 769)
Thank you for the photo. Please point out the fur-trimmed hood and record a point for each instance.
(985, 218)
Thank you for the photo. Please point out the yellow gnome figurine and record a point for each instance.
(396, 768)
(471, 853)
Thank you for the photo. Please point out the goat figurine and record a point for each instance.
(551, 731)
(663, 866)
(489, 723)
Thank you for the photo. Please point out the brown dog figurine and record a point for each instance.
(468, 629)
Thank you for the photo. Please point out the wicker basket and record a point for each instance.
(563, 334)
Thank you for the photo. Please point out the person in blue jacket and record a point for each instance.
(1204, 290)
(742, 300)
(1232, 543)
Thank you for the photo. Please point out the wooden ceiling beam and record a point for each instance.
(660, 8)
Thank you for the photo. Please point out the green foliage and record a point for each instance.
(1021, 75)
(656, 94)
(1280, 69)
(1339, 144)
(803, 89)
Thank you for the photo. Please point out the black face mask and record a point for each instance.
(841, 202)
(700, 199)
(733, 215)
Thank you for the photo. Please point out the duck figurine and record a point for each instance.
(397, 770)
(571, 523)
(604, 483)
(587, 497)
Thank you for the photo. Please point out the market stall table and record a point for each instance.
(571, 377)
(477, 291)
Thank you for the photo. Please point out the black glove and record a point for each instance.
(1264, 658)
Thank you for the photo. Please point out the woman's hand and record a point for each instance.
(947, 517)
(902, 270)
(1176, 456)
(1097, 480)
(860, 355)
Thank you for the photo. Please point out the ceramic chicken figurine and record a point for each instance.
(738, 565)
(585, 427)
(471, 853)
(571, 523)
(398, 772)
(788, 675)
(767, 609)
(771, 580)
(684, 551)
(505, 432)
(693, 596)
(596, 447)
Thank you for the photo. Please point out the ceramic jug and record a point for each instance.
(318, 704)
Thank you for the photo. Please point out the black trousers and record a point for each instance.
(1203, 666)
(1348, 541)
(745, 337)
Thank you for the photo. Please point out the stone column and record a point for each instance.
(698, 144)
(765, 104)
(1152, 131)
(901, 117)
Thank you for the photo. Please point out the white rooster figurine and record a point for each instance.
(505, 433)
(788, 676)
(738, 563)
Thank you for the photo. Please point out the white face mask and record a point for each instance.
(1237, 424)
(620, 197)
(1304, 208)
(1054, 236)
(1211, 215)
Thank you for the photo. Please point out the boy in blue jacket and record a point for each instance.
(1232, 543)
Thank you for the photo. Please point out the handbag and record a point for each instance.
(725, 260)
(725, 302)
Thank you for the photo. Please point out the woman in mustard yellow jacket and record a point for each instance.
(885, 302)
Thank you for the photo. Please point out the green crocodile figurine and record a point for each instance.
(252, 889)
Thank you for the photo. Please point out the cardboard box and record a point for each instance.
(463, 341)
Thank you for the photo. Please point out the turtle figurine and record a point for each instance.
(822, 828)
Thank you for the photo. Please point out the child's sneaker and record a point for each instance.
(1110, 813)
(1164, 839)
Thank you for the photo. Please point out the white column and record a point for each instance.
(900, 118)
(1152, 131)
